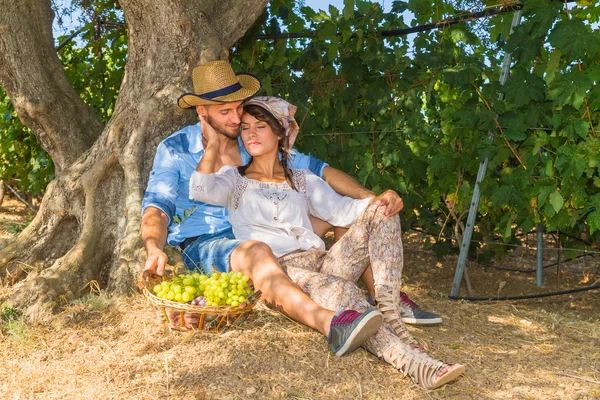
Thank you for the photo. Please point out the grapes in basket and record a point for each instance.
(220, 289)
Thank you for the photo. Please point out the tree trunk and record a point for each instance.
(88, 226)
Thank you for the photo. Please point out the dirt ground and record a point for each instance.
(103, 348)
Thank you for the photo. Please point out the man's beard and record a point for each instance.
(223, 129)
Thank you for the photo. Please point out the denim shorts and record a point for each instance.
(212, 249)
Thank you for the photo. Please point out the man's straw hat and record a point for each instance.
(216, 83)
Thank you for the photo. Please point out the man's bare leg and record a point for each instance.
(257, 261)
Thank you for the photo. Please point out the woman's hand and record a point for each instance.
(391, 200)
(208, 132)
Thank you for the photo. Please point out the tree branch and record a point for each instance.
(71, 37)
(18, 196)
(34, 79)
(233, 18)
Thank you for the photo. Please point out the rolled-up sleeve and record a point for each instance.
(303, 161)
(163, 184)
(324, 203)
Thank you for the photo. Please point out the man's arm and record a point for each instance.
(345, 185)
(158, 206)
(154, 235)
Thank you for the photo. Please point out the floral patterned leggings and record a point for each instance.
(329, 277)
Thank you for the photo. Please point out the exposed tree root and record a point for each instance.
(88, 225)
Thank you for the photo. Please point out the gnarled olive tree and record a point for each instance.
(88, 226)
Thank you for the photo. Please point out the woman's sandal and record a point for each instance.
(419, 366)
(387, 296)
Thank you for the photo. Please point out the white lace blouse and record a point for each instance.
(274, 213)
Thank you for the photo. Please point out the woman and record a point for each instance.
(269, 202)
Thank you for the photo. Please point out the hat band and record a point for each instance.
(221, 92)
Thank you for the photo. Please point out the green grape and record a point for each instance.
(178, 296)
(176, 288)
(170, 295)
(190, 289)
(188, 281)
(185, 297)
(157, 288)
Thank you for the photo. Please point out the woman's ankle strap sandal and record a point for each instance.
(422, 369)
(387, 296)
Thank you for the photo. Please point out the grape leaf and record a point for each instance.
(574, 39)
(348, 9)
(553, 64)
(593, 220)
(523, 87)
(556, 200)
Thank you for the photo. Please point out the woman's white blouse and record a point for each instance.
(274, 213)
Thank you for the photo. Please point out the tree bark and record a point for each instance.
(88, 227)
(33, 77)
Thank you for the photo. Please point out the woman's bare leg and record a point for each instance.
(257, 261)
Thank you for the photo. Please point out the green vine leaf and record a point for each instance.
(556, 200)
(575, 39)
(593, 220)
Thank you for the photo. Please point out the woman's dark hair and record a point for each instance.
(265, 116)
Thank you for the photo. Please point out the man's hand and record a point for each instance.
(156, 262)
(392, 201)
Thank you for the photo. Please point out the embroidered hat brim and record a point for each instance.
(247, 85)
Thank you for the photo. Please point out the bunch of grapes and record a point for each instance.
(227, 288)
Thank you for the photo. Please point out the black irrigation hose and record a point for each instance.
(529, 271)
(529, 296)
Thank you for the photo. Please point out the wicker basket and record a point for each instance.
(184, 316)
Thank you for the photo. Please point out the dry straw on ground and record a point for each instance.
(104, 348)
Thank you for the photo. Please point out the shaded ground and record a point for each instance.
(114, 349)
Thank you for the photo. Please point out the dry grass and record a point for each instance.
(100, 349)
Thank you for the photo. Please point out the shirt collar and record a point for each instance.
(196, 146)
(195, 139)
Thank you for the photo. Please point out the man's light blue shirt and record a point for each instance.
(168, 188)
